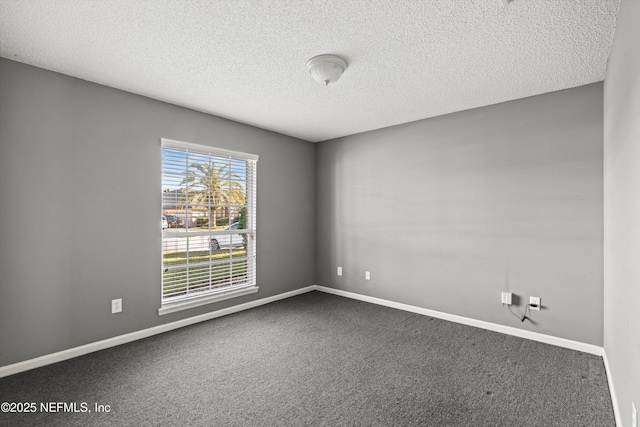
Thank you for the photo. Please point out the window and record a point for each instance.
(208, 225)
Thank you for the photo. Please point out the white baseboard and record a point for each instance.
(612, 390)
(534, 336)
(133, 336)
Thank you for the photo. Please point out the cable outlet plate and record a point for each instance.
(534, 303)
(506, 298)
(367, 275)
(116, 305)
(339, 271)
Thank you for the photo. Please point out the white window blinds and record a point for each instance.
(208, 221)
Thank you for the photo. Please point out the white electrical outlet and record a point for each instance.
(534, 303)
(367, 275)
(339, 271)
(116, 305)
(634, 415)
(506, 298)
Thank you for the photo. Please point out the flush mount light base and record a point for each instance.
(326, 69)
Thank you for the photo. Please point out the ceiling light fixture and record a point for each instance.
(326, 69)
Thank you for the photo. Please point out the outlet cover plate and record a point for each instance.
(507, 298)
(116, 306)
(339, 271)
(367, 275)
(534, 301)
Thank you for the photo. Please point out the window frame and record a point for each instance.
(250, 182)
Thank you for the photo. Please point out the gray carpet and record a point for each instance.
(320, 359)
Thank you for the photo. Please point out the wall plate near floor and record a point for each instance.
(634, 415)
(506, 298)
(116, 306)
(339, 271)
(534, 303)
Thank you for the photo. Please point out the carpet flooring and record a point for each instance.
(320, 360)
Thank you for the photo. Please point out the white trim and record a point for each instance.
(221, 152)
(172, 307)
(133, 336)
(612, 390)
(138, 335)
(534, 336)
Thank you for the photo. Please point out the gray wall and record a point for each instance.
(622, 210)
(448, 212)
(445, 212)
(80, 205)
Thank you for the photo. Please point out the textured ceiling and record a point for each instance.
(246, 60)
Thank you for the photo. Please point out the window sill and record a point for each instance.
(185, 305)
